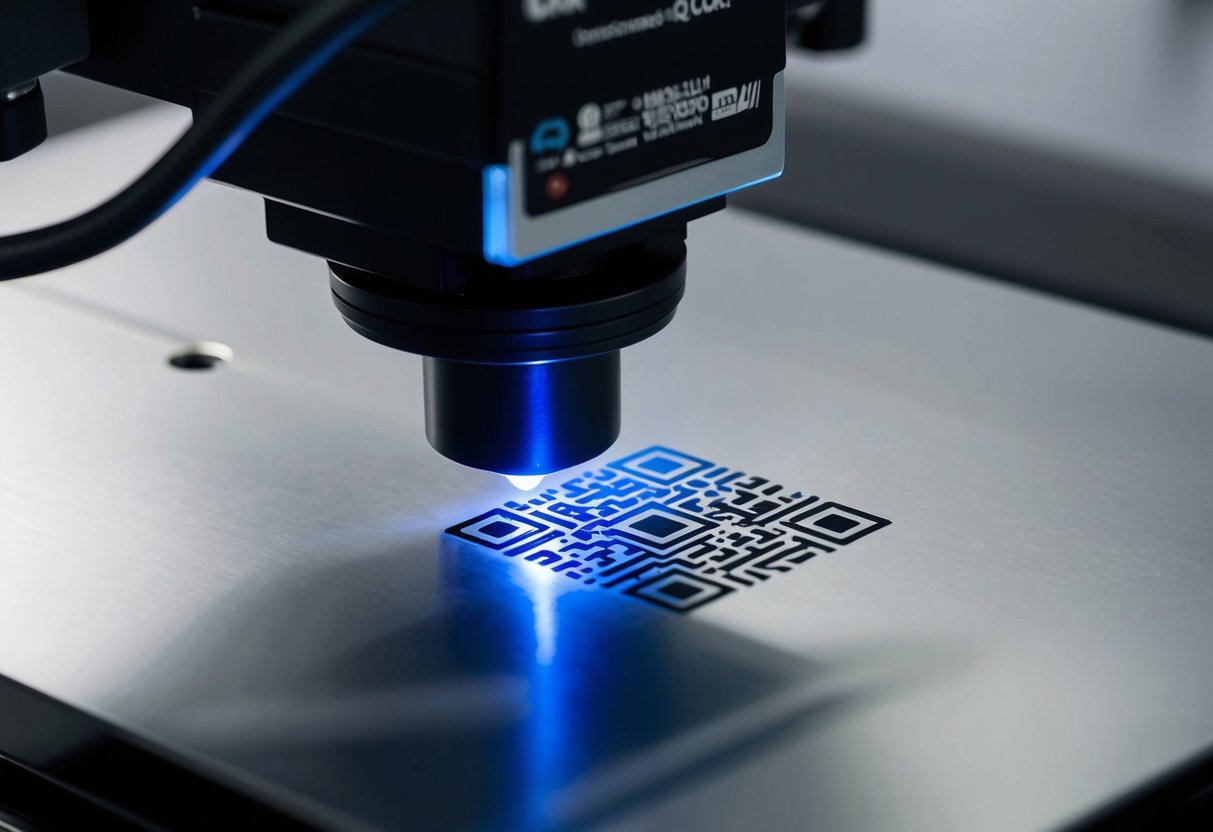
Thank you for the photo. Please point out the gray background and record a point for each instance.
(1067, 146)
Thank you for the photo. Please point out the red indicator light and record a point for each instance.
(557, 186)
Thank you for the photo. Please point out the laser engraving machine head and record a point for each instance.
(500, 186)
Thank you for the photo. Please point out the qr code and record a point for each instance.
(669, 528)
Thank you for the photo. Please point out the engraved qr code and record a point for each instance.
(669, 528)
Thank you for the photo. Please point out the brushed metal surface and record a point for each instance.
(246, 565)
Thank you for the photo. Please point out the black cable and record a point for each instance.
(289, 60)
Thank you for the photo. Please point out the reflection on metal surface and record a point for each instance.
(523, 706)
(538, 584)
(620, 706)
(549, 712)
(670, 528)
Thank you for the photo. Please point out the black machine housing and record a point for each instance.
(470, 145)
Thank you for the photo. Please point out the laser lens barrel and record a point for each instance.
(522, 370)
(523, 418)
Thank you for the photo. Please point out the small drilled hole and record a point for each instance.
(205, 355)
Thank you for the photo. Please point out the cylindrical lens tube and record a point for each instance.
(523, 418)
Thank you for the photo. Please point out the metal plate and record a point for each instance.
(247, 565)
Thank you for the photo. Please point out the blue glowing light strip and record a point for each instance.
(497, 216)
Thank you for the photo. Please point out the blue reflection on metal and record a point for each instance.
(497, 245)
(546, 759)
(540, 587)
(523, 600)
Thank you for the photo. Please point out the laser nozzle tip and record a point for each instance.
(525, 482)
